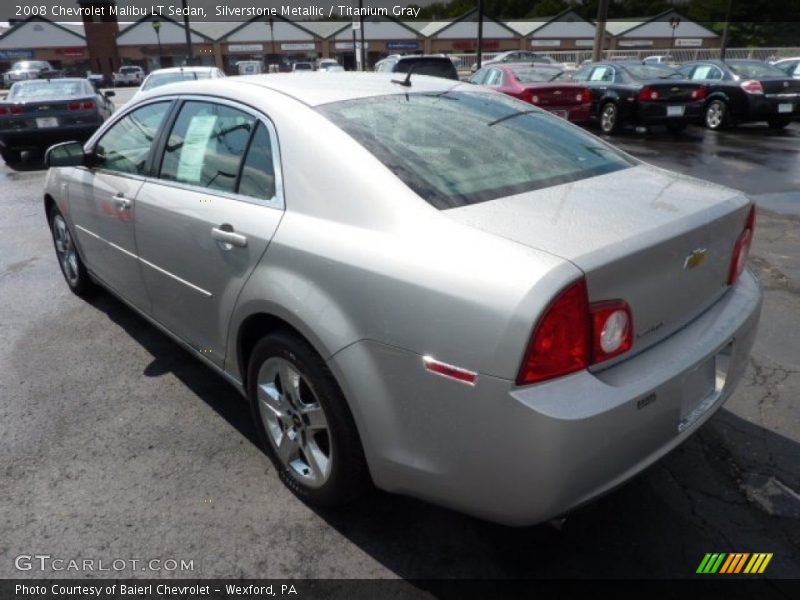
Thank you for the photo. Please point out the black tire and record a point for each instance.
(609, 118)
(716, 115)
(348, 477)
(676, 127)
(72, 267)
(777, 123)
(11, 157)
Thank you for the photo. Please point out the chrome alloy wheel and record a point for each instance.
(295, 422)
(65, 249)
(608, 118)
(715, 115)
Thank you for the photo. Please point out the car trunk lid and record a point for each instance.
(556, 95)
(658, 240)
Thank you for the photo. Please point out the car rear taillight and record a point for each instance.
(573, 334)
(752, 86)
(648, 94)
(17, 109)
(3, 110)
(699, 92)
(74, 106)
(585, 95)
(742, 247)
(612, 327)
(88, 105)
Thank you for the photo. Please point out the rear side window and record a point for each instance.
(126, 145)
(258, 172)
(462, 147)
(206, 146)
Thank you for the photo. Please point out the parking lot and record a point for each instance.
(116, 444)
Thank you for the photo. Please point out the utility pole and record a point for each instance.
(726, 31)
(189, 53)
(480, 33)
(361, 34)
(600, 30)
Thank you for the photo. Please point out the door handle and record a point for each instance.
(121, 202)
(225, 233)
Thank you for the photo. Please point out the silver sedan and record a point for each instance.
(417, 284)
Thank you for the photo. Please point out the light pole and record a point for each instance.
(600, 30)
(271, 24)
(189, 52)
(673, 22)
(157, 29)
(479, 57)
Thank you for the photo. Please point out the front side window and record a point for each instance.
(126, 145)
(462, 147)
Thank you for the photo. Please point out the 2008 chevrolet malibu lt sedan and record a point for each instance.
(419, 284)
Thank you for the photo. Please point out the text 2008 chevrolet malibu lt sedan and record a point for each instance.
(431, 287)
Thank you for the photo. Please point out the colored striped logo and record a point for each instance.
(734, 563)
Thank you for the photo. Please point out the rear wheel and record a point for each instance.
(777, 123)
(69, 260)
(304, 422)
(609, 118)
(716, 116)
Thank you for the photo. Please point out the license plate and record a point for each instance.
(560, 113)
(47, 122)
(785, 108)
(675, 111)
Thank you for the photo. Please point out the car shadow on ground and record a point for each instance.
(659, 525)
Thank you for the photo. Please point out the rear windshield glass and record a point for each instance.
(533, 74)
(47, 89)
(463, 147)
(428, 66)
(159, 79)
(755, 70)
(653, 72)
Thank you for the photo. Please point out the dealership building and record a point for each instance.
(104, 45)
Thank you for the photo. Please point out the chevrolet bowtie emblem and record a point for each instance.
(695, 259)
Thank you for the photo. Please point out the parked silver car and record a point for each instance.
(436, 288)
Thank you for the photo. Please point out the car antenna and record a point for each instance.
(407, 81)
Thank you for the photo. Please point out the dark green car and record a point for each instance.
(42, 112)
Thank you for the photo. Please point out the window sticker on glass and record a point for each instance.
(702, 72)
(198, 135)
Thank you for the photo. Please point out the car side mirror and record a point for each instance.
(66, 154)
(110, 94)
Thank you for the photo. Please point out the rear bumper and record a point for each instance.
(762, 108)
(41, 138)
(522, 455)
(577, 114)
(657, 113)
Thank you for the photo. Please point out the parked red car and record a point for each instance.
(536, 83)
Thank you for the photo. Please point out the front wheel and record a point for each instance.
(69, 260)
(304, 422)
(716, 116)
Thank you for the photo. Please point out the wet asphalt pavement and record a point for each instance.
(114, 443)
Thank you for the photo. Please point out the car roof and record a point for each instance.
(183, 69)
(53, 80)
(315, 88)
